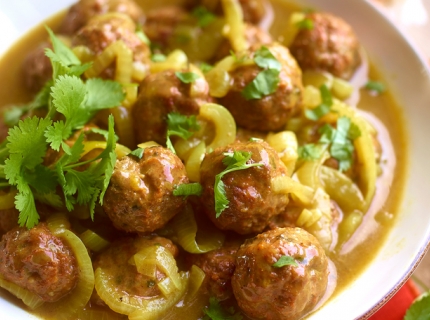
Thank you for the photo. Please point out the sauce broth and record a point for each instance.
(381, 110)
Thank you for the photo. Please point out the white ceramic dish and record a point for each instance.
(408, 77)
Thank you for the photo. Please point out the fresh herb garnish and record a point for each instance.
(203, 15)
(205, 67)
(305, 24)
(28, 141)
(142, 36)
(420, 308)
(216, 312)
(187, 77)
(188, 189)
(158, 57)
(325, 106)
(285, 261)
(181, 126)
(375, 86)
(234, 161)
(267, 80)
(138, 153)
(310, 151)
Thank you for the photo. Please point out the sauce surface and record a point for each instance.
(380, 110)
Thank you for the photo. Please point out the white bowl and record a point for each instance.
(408, 77)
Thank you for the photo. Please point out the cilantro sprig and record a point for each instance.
(28, 141)
(420, 308)
(375, 86)
(216, 312)
(338, 141)
(181, 126)
(203, 15)
(234, 161)
(187, 77)
(267, 80)
(285, 261)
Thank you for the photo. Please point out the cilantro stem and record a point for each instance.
(4, 153)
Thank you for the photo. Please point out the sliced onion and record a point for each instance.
(30, 299)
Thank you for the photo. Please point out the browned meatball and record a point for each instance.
(331, 45)
(103, 30)
(115, 263)
(254, 35)
(271, 112)
(218, 265)
(38, 261)
(264, 291)
(37, 68)
(160, 94)
(80, 13)
(8, 220)
(160, 24)
(253, 10)
(252, 202)
(140, 197)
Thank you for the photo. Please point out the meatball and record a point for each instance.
(331, 45)
(79, 14)
(160, 24)
(218, 265)
(8, 219)
(38, 261)
(265, 291)
(253, 10)
(252, 202)
(37, 68)
(271, 112)
(103, 30)
(160, 94)
(115, 263)
(140, 197)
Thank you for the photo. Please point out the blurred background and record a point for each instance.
(413, 18)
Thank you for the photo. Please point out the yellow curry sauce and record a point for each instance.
(360, 250)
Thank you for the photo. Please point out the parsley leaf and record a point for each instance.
(216, 312)
(187, 77)
(267, 80)
(234, 161)
(375, 86)
(181, 126)
(420, 308)
(285, 261)
(188, 189)
(203, 15)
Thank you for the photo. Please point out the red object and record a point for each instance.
(395, 309)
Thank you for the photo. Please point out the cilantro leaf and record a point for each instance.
(187, 77)
(266, 60)
(264, 83)
(305, 24)
(267, 80)
(205, 67)
(375, 86)
(203, 15)
(158, 57)
(103, 94)
(309, 151)
(142, 36)
(181, 126)
(137, 153)
(318, 112)
(188, 189)
(285, 261)
(234, 161)
(24, 202)
(216, 312)
(420, 308)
